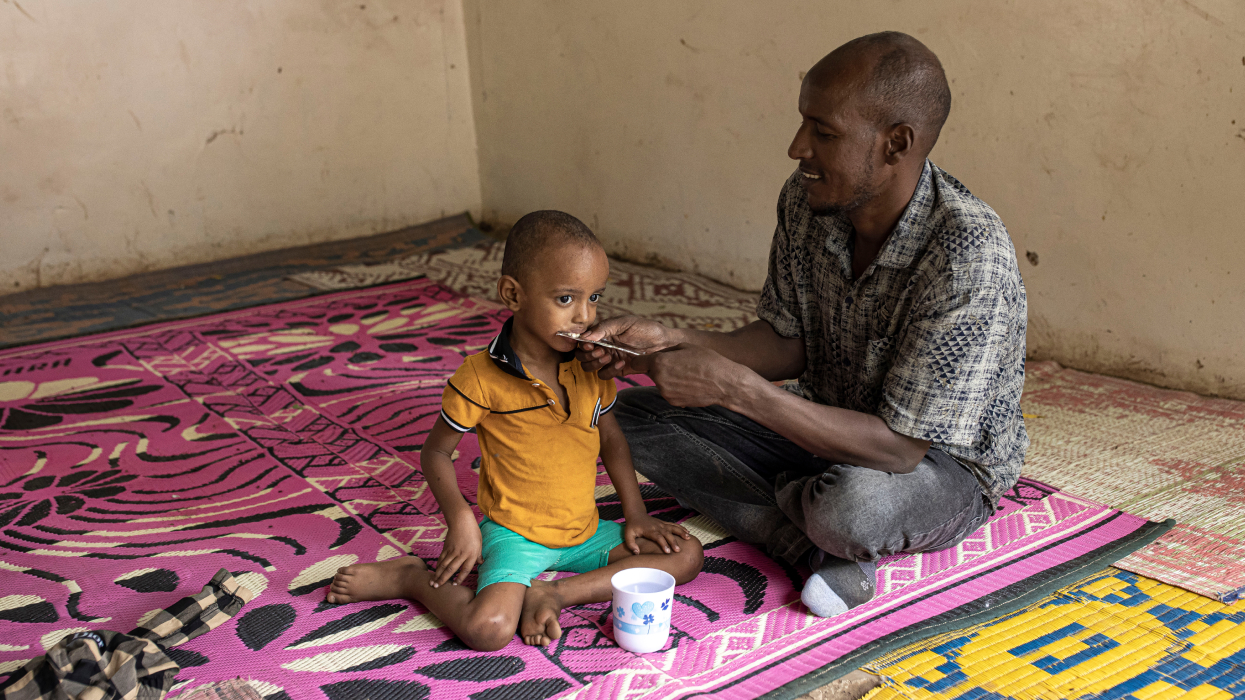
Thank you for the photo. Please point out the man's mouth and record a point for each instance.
(809, 176)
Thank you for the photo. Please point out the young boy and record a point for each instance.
(541, 421)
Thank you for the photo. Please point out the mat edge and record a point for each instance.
(6, 350)
(316, 292)
(858, 658)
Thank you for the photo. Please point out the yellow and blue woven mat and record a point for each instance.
(1115, 635)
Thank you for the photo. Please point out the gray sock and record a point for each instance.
(838, 585)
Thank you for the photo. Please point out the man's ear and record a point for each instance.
(510, 292)
(900, 141)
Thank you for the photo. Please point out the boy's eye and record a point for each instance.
(594, 298)
(564, 299)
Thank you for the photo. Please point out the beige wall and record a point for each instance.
(137, 135)
(1108, 134)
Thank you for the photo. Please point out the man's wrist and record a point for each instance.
(676, 336)
(750, 390)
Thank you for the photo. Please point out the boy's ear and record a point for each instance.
(509, 291)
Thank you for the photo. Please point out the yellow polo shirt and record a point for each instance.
(538, 463)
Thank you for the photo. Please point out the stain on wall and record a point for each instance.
(1108, 134)
(142, 135)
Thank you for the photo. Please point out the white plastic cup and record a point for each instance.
(643, 599)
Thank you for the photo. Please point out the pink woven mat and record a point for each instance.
(281, 443)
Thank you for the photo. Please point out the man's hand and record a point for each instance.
(642, 334)
(693, 376)
(461, 551)
(665, 535)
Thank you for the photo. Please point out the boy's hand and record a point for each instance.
(665, 535)
(461, 551)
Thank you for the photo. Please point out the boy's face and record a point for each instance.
(559, 293)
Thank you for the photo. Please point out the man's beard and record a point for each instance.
(860, 197)
(862, 193)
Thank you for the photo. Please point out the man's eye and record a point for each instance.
(564, 299)
(594, 298)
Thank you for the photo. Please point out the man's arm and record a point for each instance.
(691, 375)
(755, 346)
(735, 370)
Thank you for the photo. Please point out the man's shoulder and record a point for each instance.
(968, 232)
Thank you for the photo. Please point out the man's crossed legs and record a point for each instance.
(767, 491)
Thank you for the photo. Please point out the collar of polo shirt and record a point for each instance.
(506, 358)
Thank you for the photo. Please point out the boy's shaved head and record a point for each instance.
(537, 233)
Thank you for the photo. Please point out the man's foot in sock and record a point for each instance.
(837, 585)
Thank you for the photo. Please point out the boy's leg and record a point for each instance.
(484, 622)
(546, 599)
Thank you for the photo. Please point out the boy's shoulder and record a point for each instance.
(481, 369)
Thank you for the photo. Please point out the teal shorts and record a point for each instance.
(511, 557)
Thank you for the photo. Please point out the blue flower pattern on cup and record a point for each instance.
(643, 613)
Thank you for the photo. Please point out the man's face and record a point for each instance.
(561, 293)
(836, 147)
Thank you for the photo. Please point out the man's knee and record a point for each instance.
(862, 514)
(845, 516)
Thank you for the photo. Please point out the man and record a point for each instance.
(893, 295)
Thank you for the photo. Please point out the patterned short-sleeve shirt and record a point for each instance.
(931, 338)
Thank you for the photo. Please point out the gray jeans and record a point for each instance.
(768, 491)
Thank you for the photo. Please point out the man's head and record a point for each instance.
(553, 273)
(872, 109)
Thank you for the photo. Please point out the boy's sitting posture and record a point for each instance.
(541, 421)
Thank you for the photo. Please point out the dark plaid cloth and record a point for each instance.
(109, 665)
(191, 616)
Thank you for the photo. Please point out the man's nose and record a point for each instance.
(799, 148)
(583, 312)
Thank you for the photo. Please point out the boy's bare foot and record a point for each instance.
(384, 580)
(538, 623)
